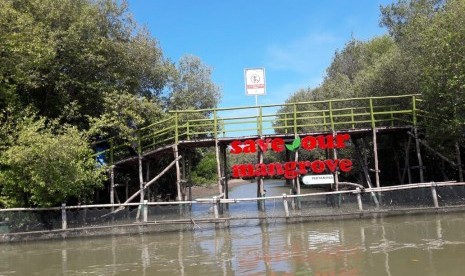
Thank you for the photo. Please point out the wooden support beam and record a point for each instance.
(112, 184)
(420, 160)
(364, 165)
(407, 162)
(154, 179)
(141, 179)
(178, 173)
(225, 171)
(336, 178)
(218, 167)
(459, 161)
(375, 156)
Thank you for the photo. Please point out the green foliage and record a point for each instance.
(87, 64)
(193, 87)
(47, 164)
(73, 52)
(432, 32)
(123, 113)
(205, 172)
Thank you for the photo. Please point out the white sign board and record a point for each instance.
(318, 179)
(254, 81)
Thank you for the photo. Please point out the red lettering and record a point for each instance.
(243, 170)
(260, 170)
(332, 164)
(345, 165)
(236, 147)
(302, 169)
(249, 146)
(277, 144)
(325, 142)
(290, 170)
(309, 142)
(341, 139)
(263, 144)
(318, 166)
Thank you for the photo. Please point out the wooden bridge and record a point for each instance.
(184, 130)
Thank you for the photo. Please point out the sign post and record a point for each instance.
(255, 82)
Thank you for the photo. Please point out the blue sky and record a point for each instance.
(293, 40)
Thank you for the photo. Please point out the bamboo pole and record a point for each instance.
(336, 178)
(149, 183)
(154, 179)
(407, 162)
(260, 186)
(147, 177)
(364, 164)
(178, 173)
(141, 179)
(296, 180)
(184, 182)
(375, 156)
(225, 171)
(217, 152)
(428, 147)
(420, 161)
(218, 167)
(459, 161)
(112, 184)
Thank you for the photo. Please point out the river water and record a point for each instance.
(402, 245)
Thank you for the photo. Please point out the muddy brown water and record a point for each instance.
(431, 244)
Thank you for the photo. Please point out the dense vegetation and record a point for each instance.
(73, 72)
(423, 52)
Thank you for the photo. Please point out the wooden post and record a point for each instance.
(149, 194)
(289, 182)
(141, 177)
(225, 171)
(336, 178)
(286, 206)
(375, 144)
(420, 161)
(359, 199)
(146, 211)
(178, 173)
(141, 184)
(434, 193)
(375, 155)
(364, 165)
(126, 189)
(459, 161)
(64, 222)
(215, 207)
(297, 182)
(407, 162)
(260, 186)
(184, 182)
(112, 184)
(218, 167)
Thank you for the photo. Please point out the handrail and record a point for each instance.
(220, 198)
(291, 118)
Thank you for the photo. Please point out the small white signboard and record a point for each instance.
(254, 81)
(316, 179)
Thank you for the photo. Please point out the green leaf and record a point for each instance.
(295, 144)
